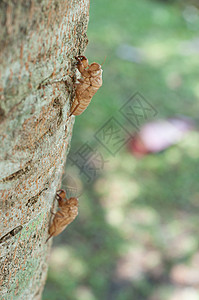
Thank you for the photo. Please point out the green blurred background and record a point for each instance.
(136, 236)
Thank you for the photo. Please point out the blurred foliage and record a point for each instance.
(136, 236)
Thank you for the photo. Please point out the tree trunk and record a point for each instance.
(39, 40)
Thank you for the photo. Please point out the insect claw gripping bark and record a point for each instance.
(67, 213)
(87, 86)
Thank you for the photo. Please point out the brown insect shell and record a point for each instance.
(95, 71)
(85, 90)
(67, 213)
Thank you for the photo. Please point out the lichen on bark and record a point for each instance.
(39, 40)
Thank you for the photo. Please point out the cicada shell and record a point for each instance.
(87, 86)
(67, 213)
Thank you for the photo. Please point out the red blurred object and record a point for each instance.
(157, 136)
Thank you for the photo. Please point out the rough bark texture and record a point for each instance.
(39, 40)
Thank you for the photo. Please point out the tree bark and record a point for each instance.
(39, 40)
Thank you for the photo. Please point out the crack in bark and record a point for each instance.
(18, 174)
(35, 198)
(2, 114)
(10, 234)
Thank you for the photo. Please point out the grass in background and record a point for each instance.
(138, 220)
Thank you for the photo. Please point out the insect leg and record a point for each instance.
(74, 109)
(49, 237)
(61, 193)
(52, 212)
(59, 215)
